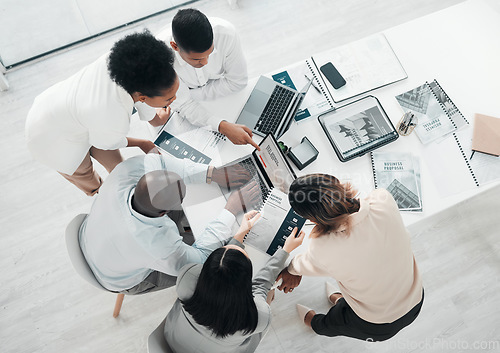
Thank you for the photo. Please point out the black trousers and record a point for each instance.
(341, 320)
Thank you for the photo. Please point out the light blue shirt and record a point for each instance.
(123, 247)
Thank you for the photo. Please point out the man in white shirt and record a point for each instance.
(210, 63)
(88, 114)
(130, 239)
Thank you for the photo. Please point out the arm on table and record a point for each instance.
(146, 146)
(196, 114)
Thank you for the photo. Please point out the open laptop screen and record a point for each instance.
(272, 160)
(293, 112)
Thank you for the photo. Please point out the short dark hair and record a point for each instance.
(141, 63)
(223, 300)
(192, 31)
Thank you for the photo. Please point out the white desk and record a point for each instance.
(458, 46)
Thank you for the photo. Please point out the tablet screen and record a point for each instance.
(357, 127)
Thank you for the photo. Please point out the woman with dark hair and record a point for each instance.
(365, 246)
(220, 309)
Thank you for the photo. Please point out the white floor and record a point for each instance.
(46, 307)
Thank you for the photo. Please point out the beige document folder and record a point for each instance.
(486, 134)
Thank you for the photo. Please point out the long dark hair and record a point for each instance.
(223, 300)
(323, 199)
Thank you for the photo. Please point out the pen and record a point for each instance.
(410, 124)
(313, 83)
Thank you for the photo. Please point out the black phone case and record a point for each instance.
(332, 74)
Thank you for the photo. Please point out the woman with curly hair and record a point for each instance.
(364, 245)
(88, 114)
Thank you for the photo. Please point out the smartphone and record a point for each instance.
(332, 75)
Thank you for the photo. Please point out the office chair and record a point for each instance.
(78, 259)
(156, 341)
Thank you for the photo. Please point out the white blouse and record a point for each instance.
(87, 109)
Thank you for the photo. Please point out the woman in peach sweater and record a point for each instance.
(365, 246)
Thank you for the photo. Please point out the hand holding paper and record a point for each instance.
(293, 241)
(248, 221)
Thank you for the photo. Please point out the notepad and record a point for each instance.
(486, 134)
(399, 173)
(365, 64)
(183, 140)
(437, 115)
(276, 223)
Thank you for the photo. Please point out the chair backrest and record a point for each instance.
(156, 341)
(75, 252)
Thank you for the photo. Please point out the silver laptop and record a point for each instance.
(271, 107)
(268, 167)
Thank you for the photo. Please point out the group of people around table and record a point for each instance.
(136, 238)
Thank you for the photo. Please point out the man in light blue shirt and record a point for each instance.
(130, 242)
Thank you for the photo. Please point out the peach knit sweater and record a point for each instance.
(373, 265)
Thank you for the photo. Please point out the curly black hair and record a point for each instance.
(192, 31)
(141, 63)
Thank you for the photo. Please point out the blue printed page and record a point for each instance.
(276, 223)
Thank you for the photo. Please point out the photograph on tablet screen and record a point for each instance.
(358, 129)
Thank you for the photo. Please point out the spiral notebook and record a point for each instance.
(276, 222)
(437, 115)
(398, 173)
(365, 64)
(454, 165)
(447, 138)
(486, 134)
(357, 128)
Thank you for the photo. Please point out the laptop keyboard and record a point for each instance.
(275, 110)
(247, 163)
